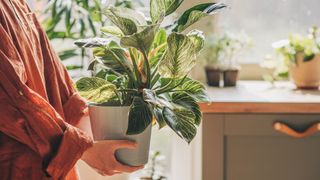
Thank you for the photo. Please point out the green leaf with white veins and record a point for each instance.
(188, 102)
(181, 121)
(161, 8)
(125, 19)
(195, 89)
(140, 116)
(157, 112)
(196, 13)
(180, 56)
(197, 38)
(91, 42)
(95, 89)
(112, 30)
(140, 40)
(113, 57)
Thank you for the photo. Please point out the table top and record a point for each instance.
(262, 97)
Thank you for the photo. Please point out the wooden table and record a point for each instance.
(262, 97)
(257, 131)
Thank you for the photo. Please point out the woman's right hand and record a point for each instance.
(101, 157)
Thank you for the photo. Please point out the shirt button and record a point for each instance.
(21, 93)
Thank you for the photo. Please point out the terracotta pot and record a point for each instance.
(111, 123)
(213, 76)
(230, 77)
(306, 75)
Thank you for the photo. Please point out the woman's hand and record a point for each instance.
(101, 157)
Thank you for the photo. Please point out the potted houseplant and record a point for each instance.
(221, 56)
(141, 76)
(302, 57)
(213, 64)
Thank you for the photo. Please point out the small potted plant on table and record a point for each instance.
(220, 54)
(142, 76)
(302, 57)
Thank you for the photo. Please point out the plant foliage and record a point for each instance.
(144, 66)
(309, 46)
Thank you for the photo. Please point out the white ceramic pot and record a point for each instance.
(111, 123)
(306, 75)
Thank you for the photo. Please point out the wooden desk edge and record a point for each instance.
(256, 107)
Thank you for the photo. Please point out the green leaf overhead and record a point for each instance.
(196, 13)
(161, 8)
(179, 58)
(95, 89)
(125, 19)
(141, 40)
(181, 121)
(140, 116)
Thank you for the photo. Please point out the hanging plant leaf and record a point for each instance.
(196, 13)
(186, 101)
(157, 112)
(140, 116)
(181, 121)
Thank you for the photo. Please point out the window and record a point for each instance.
(268, 21)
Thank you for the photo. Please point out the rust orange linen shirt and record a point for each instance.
(38, 104)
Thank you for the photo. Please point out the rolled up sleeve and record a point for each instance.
(70, 150)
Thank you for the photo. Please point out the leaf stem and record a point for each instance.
(125, 68)
(146, 61)
(135, 67)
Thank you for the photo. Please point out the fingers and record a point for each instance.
(118, 144)
(108, 172)
(128, 169)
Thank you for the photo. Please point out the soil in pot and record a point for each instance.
(111, 123)
(213, 76)
(230, 77)
(306, 75)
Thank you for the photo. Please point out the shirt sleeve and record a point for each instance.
(31, 120)
(74, 106)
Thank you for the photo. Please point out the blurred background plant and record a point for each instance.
(68, 20)
(308, 45)
(221, 51)
(287, 51)
(154, 170)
